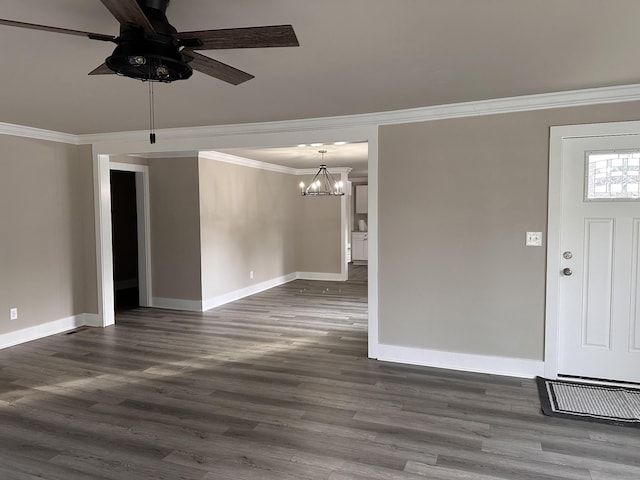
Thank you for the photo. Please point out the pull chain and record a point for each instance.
(152, 114)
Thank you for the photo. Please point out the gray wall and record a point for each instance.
(47, 240)
(212, 223)
(455, 200)
(247, 221)
(175, 228)
(317, 231)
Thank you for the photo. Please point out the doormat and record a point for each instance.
(593, 403)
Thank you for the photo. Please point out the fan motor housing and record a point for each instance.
(150, 57)
(155, 11)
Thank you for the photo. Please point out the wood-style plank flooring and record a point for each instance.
(277, 386)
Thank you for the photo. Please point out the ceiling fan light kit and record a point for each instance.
(149, 61)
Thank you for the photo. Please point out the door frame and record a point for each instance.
(196, 139)
(143, 211)
(557, 138)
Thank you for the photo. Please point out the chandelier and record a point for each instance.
(323, 183)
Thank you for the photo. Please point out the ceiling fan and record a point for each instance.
(149, 47)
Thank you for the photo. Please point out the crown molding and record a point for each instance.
(246, 162)
(38, 134)
(359, 180)
(149, 155)
(572, 98)
(543, 101)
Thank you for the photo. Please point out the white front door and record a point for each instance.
(599, 289)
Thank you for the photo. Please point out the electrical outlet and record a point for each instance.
(13, 313)
(251, 275)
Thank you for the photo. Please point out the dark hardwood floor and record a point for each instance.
(277, 386)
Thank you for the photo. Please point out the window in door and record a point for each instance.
(612, 175)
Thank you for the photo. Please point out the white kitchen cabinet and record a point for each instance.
(362, 198)
(359, 246)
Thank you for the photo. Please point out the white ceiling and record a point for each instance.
(356, 56)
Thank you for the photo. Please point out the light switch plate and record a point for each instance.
(534, 239)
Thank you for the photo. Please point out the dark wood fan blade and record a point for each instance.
(216, 69)
(129, 12)
(250, 37)
(46, 28)
(102, 70)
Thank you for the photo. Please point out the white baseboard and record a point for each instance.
(177, 304)
(511, 367)
(217, 301)
(50, 328)
(327, 277)
(92, 320)
(247, 291)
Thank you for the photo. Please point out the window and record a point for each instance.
(613, 175)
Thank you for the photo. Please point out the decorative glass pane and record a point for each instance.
(613, 175)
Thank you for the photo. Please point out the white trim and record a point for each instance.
(357, 180)
(177, 304)
(344, 229)
(92, 320)
(129, 167)
(325, 277)
(46, 329)
(510, 367)
(556, 149)
(150, 156)
(245, 162)
(38, 134)
(615, 129)
(144, 228)
(554, 219)
(372, 242)
(208, 304)
(573, 98)
(104, 253)
(247, 291)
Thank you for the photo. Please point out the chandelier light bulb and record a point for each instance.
(137, 60)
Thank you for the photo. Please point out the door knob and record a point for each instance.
(567, 272)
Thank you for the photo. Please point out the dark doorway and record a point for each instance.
(124, 221)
